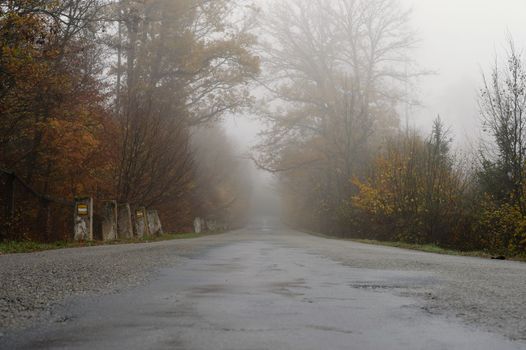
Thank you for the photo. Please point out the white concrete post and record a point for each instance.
(154, 223)
(214, 225)
(83, 219)
(141, 223)
(198, 228)
(109, 221)
(124, 219)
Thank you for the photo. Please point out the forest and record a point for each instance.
(124, 100)
(341, 75)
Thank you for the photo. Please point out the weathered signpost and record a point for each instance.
(109, 221)
(141, 223)
(124, 219)
(83, 219)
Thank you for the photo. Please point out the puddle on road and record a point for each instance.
(257, 295)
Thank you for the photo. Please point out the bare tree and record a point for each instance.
(503, 109)
(336, 69)
(184, 64)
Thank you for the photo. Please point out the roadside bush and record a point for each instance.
(502, 227)
(414, 193)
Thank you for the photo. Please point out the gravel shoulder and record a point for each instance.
(489, 294)
(31, 285)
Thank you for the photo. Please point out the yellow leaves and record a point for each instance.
(408, 191)
(376, 201)
(502, 226)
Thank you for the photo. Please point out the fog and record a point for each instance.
(322, 111)
(458, 41)
(226, 172)
(265, 201)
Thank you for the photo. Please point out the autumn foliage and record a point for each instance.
(347, 165)
(102, 99)
(415, 193)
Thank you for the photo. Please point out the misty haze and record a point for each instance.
(262, 174)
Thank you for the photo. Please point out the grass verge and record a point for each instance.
(431, 248)
(14, 247)
(427, 248)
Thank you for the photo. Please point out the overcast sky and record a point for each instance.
(459, 40)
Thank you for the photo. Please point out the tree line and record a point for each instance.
(122, 99)
(339, 75)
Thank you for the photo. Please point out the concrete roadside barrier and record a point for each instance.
(198, 225)
(83, 219)
(109, 221)
(124, 221)
(141, 223)
(154, 223)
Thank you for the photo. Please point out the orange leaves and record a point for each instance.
(54, 124)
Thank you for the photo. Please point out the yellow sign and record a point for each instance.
(139, 214)
(82, 210)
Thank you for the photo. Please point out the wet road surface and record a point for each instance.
(261, 291)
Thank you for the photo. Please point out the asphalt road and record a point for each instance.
(268, 288)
